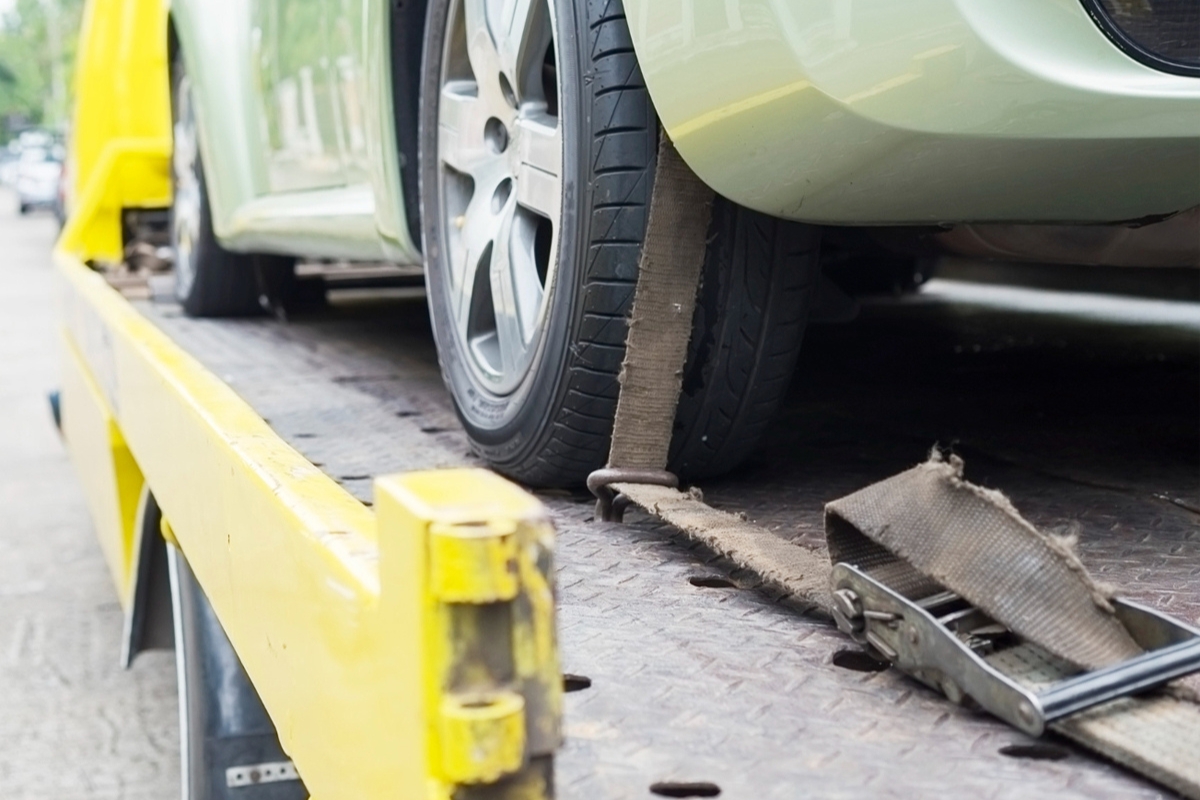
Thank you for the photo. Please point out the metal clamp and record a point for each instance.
(610, 505)
(941, 640)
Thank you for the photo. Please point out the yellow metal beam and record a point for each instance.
(120, 146)
(400, 653)
(93, 230)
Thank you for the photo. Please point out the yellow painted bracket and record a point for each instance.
(93, 229)
(402, 652)
(479, 578)
(120, 146)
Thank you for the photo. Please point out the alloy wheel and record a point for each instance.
(499, 156)
(185, 207)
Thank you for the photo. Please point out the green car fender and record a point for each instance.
(215, 41)
(877, 112)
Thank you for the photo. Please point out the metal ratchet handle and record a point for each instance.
(1152, 668)
(906, 633)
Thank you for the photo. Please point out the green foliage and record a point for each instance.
(37, 53)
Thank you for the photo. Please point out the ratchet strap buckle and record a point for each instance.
(610, 504)
(945, 642)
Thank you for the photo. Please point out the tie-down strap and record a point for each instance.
(660, 324)
(1018, 614)
(985, 557)
(948, 572)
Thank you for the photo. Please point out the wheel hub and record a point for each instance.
(185, 205)
(500, 165)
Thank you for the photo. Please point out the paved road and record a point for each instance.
(73, 724)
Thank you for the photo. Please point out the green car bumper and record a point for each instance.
(927, 111)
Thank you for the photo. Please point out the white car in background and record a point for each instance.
(9, 157)
(37, 178)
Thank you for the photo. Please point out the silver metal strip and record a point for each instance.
(1152, 669)
(254, 774)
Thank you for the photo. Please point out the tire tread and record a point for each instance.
(748, 324)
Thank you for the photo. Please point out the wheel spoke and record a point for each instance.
(184, 159)
(461, 117)
(538, 180)
(501, 156)
(467, 263)
(507, 288)
(461, 261)
(185, 210)
(522, 35)
(185, 153)
(481, 45)
(477, 228)
(527, 284)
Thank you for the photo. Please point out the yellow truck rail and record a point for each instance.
(361, 628)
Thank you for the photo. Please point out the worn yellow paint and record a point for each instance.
(470, 712)
(329, 604)
(473, 565)
(482, 736)
(121, 132)
(111, 479)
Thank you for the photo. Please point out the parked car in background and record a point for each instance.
(37, 178)
(511, 147)
(9, 156)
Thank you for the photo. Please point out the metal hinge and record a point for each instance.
(944, 641)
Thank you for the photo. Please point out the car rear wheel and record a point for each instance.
(210, 281)
(538, 143)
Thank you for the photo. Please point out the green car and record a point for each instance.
(510, 145)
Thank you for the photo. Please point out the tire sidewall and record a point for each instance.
(184, 290)
(223, 283)
(508, 428)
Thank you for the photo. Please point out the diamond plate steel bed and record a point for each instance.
(695, 674)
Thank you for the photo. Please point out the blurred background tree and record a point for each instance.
(37, 52)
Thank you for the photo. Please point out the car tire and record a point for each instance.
(552, 423)
(760, 274)
(24, 209)
(229, 747)
(210, 281)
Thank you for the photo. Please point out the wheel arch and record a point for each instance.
(406, 40)
(215, 40)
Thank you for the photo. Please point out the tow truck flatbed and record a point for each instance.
(695, 674)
